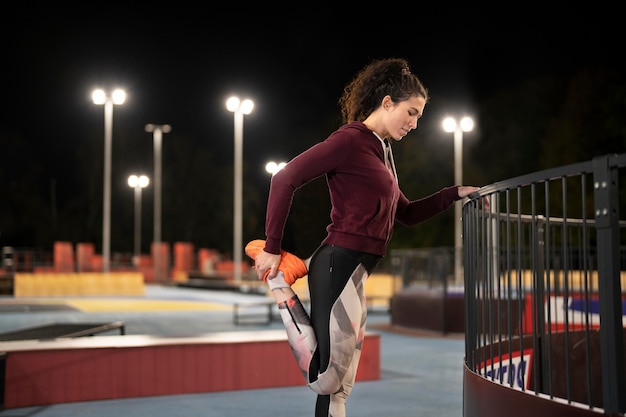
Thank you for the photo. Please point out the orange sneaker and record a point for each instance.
(291, 266)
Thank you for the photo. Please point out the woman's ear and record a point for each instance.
(387, 102)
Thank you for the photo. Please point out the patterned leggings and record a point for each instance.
(327, 344)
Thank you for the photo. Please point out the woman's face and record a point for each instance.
(402, 116)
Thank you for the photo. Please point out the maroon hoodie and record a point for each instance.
(364, 192)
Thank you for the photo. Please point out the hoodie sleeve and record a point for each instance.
(318, 160)
(414, 212)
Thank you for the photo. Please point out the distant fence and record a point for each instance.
(428, 267)
(544, 266)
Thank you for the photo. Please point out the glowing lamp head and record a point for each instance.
(233, 104)
(141, 181)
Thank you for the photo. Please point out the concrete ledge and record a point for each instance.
(114, 367)
(81, 283)
(429, 309)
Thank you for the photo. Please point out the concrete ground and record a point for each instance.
(421, 372)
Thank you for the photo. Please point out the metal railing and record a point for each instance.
(544, 265)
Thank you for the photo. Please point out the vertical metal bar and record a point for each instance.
(520, 279)
(469, 246)
(539, 290)
(548, 273)
(566, 291)
(585, 292)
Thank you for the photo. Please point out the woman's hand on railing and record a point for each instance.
(471, 192)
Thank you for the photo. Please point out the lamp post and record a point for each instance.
(157, 138)
(99, 97)
(138, 182)
(273, 167)
(239, 108)
(450, 125)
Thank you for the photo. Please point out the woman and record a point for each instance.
(383, 103)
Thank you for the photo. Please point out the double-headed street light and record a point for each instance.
(138, 182)
(100, 97)
(450, 125)
(157, 135)
(239, 108)
(273, 167)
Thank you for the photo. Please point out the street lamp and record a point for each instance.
(157, 137)
(99, 97)
(465, 125)
(273, 167)
(138, 182)
(239, 108)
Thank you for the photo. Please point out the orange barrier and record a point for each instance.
(85, 257)
(183, 260)
(207, 258)
(161, 260)
(63, 257)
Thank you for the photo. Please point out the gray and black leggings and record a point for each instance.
(328, 343)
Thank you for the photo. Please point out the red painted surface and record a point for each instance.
(38, 377)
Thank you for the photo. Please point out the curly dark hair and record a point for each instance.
(391, 76)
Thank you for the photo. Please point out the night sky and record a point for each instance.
(178, 65)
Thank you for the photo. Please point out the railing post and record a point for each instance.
(606, 192)
(470, 241)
